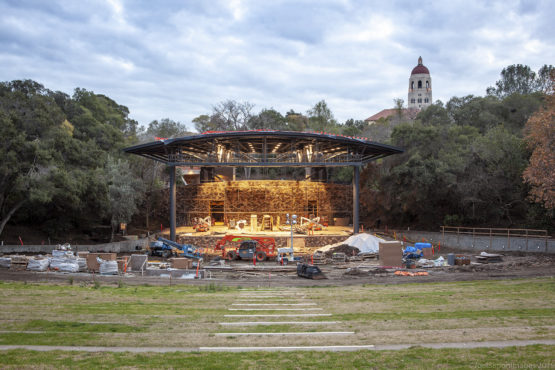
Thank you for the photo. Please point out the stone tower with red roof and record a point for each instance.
(420, 87)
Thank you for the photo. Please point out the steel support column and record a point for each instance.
(172, 203)
(356, 190)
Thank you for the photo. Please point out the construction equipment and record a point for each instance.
(285, 255)
(167, 248)
(202, 224)
(249, 249)
(267, 223)
(313, 224)
(245, 247)
(310, 272)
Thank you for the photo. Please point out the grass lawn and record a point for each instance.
(529, 357)
(189, 316)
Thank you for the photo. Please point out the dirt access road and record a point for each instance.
(351, 273)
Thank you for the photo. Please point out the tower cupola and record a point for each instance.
(420, 87)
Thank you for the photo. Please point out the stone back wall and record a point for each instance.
(261, 197)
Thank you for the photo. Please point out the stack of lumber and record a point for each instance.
(368, 256)
(461, 259)
(339, 257)
(319, 258)
(181, 263)
(483, 258)
(18, 263)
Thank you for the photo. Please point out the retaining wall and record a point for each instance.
(281, 241)
(481, 243)
(117, 247)
(129, 246)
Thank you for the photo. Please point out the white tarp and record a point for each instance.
(64, 264)
(366, 243)
(62, 253)
(107, 267)
(38, 264)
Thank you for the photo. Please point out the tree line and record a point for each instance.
(474, 160)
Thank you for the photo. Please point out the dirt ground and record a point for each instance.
(350, 273)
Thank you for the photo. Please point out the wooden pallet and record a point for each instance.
(489, 258)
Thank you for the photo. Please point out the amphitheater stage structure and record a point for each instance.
(209, 163)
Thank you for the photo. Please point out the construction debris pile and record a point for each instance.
(259, 257)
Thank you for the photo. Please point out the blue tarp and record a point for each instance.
(412, 252)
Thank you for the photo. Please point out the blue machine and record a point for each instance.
(166, 248)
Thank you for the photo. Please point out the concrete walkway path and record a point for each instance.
(382, 347)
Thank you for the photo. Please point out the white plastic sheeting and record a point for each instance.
(366, 243)
(64, 264)
(38, 264)
(5, 262)
(438, 262)
(107, 267)
(56, 253)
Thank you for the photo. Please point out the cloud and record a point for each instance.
(177, 59)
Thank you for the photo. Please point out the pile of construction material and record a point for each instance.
(18, 263)
(62, 259)
(355, 247)
(39, 263)
(5, 262)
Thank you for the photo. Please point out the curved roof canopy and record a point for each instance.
(264, 148)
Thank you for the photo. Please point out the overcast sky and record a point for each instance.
(176, 59)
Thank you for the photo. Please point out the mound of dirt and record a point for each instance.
(343, 248)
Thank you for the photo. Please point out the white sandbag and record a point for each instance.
(38, 264)
(5, 262)
(107, 267)
(64, 264)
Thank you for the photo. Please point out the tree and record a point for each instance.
(540, 137)
(321, 118)
(203, 123)
(434, 115)
(54, 150)
(166, 128)
(353, 127)
(493, 177)
(545, 80)
(124, 191)
(480, 112)
(152, 172)
(296, 121)
(520, 79)
(228, 115)
(267, 119)
(398, 103)
(29, 124)
(231, 115)
(380, 131)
